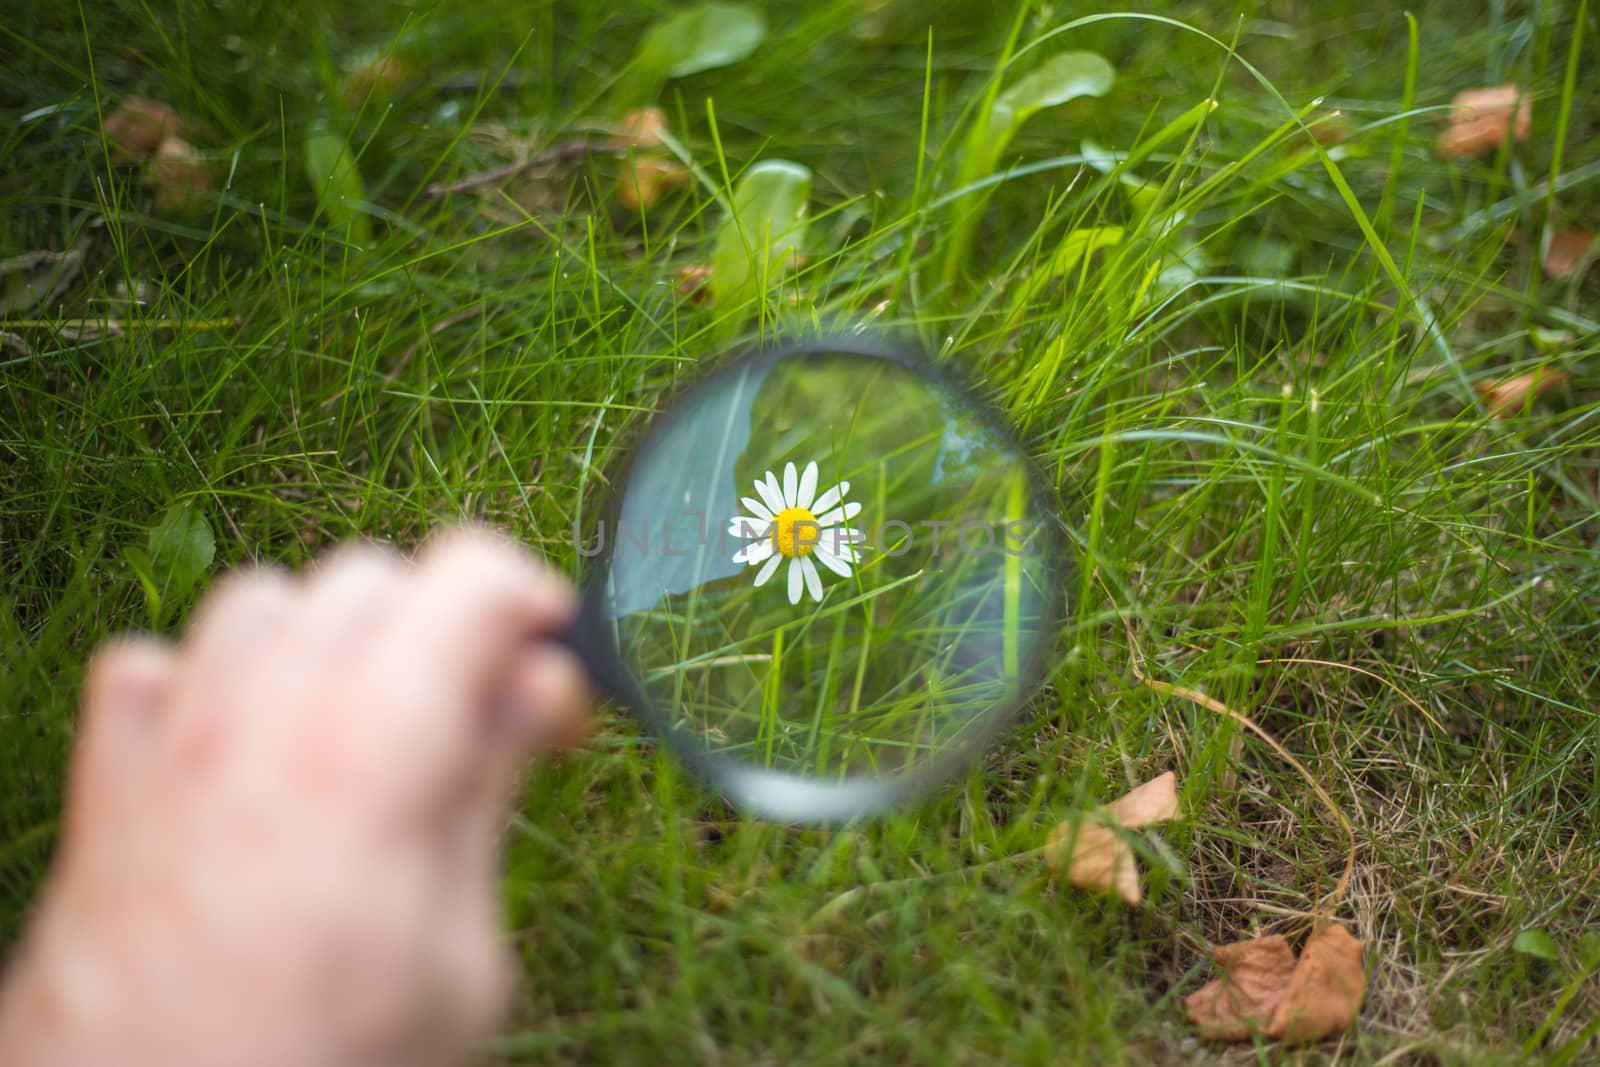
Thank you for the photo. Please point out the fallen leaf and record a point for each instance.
(1095, 855)
(641, 128)
(1324, 993)
(138, 126)
(1565, 251)
(179, 177)
(1155, 801)
(1508, 396)
(1479, 119)
(34, 279)
(646, 178)
(694, 280)
(16, 344)
(649, 173)
(1242, 1000)
(1330, 131)
(1262, 989)
(379, 76)
(1100, 861)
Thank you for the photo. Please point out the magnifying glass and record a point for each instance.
(828, 577)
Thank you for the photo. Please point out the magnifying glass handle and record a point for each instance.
(590, 640)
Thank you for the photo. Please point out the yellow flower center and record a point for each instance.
(795, 532)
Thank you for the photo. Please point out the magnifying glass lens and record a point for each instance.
(830, 575)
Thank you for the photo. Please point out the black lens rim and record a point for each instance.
(594, 638)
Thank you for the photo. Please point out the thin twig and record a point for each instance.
(1401, 693)
(433, 331)
(560, 152)
(121, 324)
(1335, 896)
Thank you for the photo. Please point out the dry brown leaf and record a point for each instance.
(1324, 993)
(16, 344)
(35, 279)
(1331, 131)
(1264, 990)
(1480, 118)
(694, 281)
(138, 126)
(1242, 1000)
(650, 173)
(1100, 860)
(1509, 396)
(1566, 251)
(179, 177)
(1155, 801)
(641, 128)
(381, 76)
(646, 178)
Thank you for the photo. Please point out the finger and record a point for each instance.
(350, 595)
(478, 600)
(474, 605)
(233, 645)
(238, 620)
(544, 704)
(124, 697)
(475, 969)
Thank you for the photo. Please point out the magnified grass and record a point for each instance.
(948, 608)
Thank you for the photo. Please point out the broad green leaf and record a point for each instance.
(1075, 247)
(1266, 257)
(700, 38)
(341, 194)
(178, 550)
(1538, 944)
(1589, 950)
(138, 561)
(1063, 77)
(1546, 341)
(762, 235)
(1059, 79)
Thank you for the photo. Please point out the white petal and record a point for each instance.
(756, 507)
(808, 486)
(754, 552)
(813, 579)
(791, 482)
(767, 489)
(843, 542)
(746, 527)
(796, 576)
(833, 518)
(831, 561)
(830, 498)
(768, 569)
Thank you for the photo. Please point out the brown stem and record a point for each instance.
(560, 152)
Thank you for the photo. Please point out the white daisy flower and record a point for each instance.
(793, 521)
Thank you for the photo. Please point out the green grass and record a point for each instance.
(1263, 424)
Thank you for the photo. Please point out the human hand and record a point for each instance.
(281, 834)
